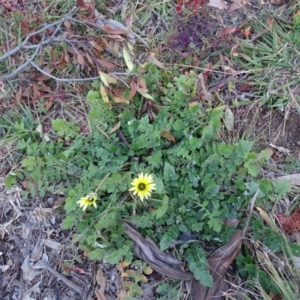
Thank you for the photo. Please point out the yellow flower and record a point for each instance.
(143, 186)
(88, 200)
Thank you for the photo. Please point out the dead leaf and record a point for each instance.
(99, 295)
(28, 272)
(193, 103)
(247, 32)
(120, 99)
(115, 128)
(54, 57)
(89, 58)
(218, 4)
(103, 78)
(81, 60)
(59, 202)
(229, 30)
(293, 179)
(67, 24)
(28, 91)
(102, 282)
(157, 108)
(237, 4)
(148, 270)
(266, 218)
(290, 224)
(245, 87)
(147, 96)
(4, 268)
(229, 119)
(270, 22)
(62, 61)
(52, 244)
(96, 45)
(105, 63)
(231, 222)
(151, 58)
(127, 59)
(107, 79)
(35, 289)
(116, 47)
(281, 149)
(111, 30)
(104, 94)
(141, 86)
(135, 275)
(167, 135)
(133, 89)
(277, 2)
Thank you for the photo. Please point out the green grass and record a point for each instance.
(272, 56)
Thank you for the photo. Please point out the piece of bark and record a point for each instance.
(148, 251)
(218, 263)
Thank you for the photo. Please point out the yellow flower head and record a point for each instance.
(88, 200)
(143, 186)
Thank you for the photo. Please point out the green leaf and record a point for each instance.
(197, 263)
(93, 96)
(107, 220)
(161, 211)
(170, 175)
(253, 170)
(117, 255)
(243, 147)
(10, 180)
(195, 143)
(57, 124)
(211, 191)
(281, 187)
(142, 221)
(97, 254)
(208, 132)
(265, 154)
(165, 242)
(215, 224)
(70, 204)
(82, 226)
(69, 222)
(225, 150)
(294, 249)
(30, 163)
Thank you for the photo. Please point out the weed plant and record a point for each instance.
(200, 180)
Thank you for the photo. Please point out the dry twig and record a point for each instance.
(98, 23)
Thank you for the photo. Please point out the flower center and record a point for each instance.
(141, 186)
(90, 199)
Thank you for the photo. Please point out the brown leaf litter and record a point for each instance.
(34, 249)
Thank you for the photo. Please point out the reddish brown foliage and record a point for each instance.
(290, 224)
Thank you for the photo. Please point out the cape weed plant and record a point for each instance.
(198, 179)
